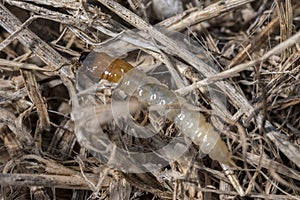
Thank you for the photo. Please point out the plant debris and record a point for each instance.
(246, 51)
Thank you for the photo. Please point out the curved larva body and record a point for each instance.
(149, 90)
(192, 123)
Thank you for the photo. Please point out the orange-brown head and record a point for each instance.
(103, 66)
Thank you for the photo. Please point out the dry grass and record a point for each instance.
(256, 45)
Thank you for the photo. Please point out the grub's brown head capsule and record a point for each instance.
(100, 65)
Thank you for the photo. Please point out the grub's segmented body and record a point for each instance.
(192, 123)
(149, 90)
